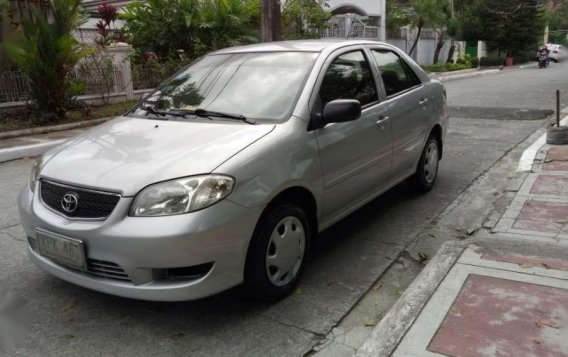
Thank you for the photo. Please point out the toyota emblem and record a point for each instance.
(70, 202)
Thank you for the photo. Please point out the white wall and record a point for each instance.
(424, 53)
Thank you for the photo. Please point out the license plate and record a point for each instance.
(64, 250)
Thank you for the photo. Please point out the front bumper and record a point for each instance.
(143, 246)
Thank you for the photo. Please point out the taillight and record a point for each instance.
(445, 94)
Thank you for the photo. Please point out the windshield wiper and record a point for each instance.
(150, 110)
(159, 113)
(208, 114)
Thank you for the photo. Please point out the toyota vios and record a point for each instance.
(225, 173)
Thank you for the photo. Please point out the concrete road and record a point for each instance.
(530, 88)
(68, 320)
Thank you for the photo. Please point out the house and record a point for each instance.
(357, 18)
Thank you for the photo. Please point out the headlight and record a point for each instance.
(35, 173)
(181, 195)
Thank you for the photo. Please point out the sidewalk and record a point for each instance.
(504, 293)
(31, 142)
(33, 145)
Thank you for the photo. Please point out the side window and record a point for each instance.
(349, 77)
(396, 74)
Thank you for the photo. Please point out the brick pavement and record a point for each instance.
(510, 301)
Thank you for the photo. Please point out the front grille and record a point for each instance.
(106, 270)
(90, 204)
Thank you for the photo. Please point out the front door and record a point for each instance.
(356, 155)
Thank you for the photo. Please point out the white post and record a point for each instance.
(481, 49)
(383, 24)
(121, 60)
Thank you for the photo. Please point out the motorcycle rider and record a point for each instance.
(543, 59)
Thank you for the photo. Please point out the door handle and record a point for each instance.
(423, 101)
(382, 119)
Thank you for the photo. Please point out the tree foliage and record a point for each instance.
(558, 21)
(108, 14)
(423, 13)
(47, 52)
(190, 27)
(303, 19)
(398, 15)
(513, 26)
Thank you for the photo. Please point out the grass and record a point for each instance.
(20, 119)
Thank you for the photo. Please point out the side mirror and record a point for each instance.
(341, 110)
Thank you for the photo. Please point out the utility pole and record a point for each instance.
(276, 20)
(270, 19)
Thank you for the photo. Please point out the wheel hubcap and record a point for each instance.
(285, 251)
(431, 162)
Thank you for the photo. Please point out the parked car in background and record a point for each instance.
(225, 173)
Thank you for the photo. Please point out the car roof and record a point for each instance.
(297, 46)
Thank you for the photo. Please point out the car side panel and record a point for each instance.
(287, 157)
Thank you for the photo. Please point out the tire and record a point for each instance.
(284, 223)
(557, 135)
(426, 173)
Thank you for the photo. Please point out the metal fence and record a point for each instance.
(99, 80)
(147, 76)
(14, 87)
(150, 75)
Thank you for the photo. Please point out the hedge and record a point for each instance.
(491, 61)
(445, 67)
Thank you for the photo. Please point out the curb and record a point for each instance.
(49, 129)
(447, 76)
(391, 329)
(468, 75)
(527, 158)
(19, 152)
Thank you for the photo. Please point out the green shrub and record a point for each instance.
(524, 57)
(474, 62)
(491, 61)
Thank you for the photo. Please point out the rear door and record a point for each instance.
(356, 155)
(410, 110)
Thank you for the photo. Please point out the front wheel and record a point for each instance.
(277, 253)
(427, 170)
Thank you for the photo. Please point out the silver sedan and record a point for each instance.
(225, 173)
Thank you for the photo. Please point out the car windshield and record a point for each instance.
(254, 85)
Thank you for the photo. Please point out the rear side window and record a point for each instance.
(349, 77)
(396, 74)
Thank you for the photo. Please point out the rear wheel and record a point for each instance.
(427, 170)
(277, 253)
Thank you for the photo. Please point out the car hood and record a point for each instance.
(127, 154)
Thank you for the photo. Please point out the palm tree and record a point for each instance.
(227, 22)
(423, 11)
(47, 53)
(441, 22)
